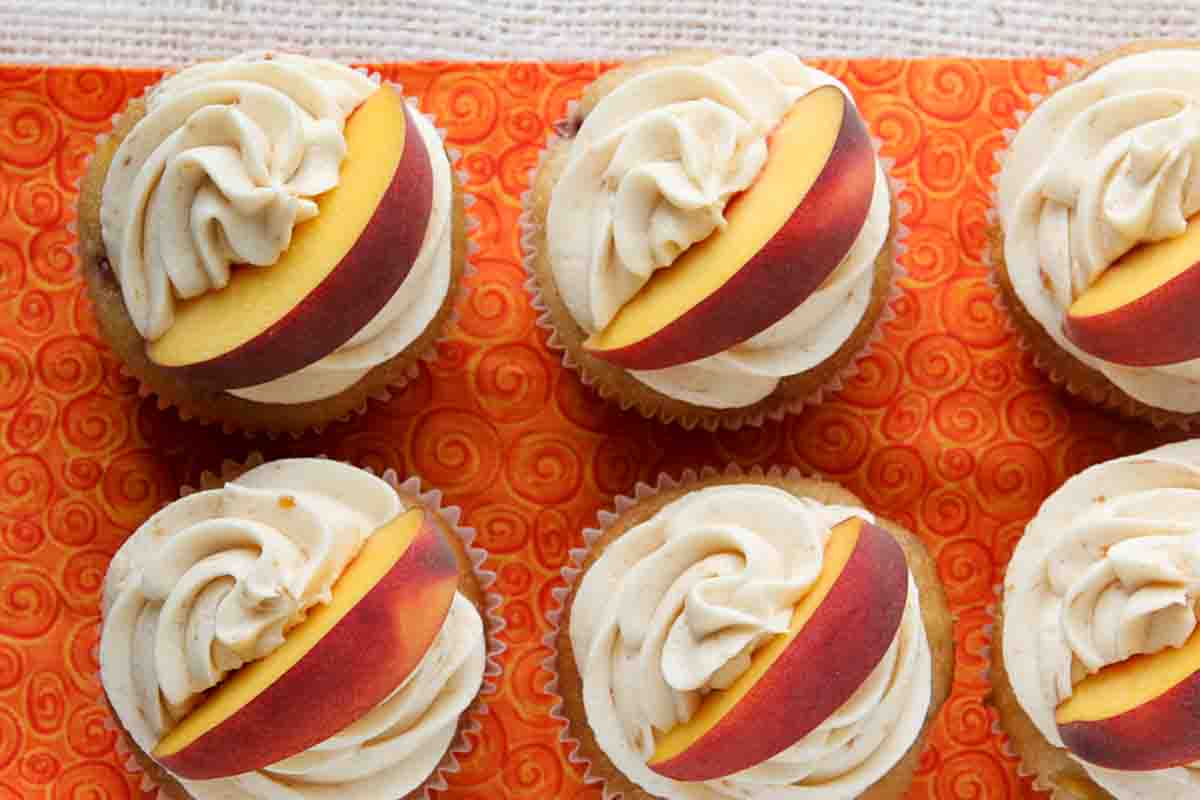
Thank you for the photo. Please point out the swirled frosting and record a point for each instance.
(1109, 568)
(1100, 166)
(227, 160)
(214, 581)
(676, 606)
(649, 174)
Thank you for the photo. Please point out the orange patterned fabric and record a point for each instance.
(948, 428)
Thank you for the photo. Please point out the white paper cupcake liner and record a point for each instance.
(574, 568)
(381, 394)
(494, 624)
(529, 230)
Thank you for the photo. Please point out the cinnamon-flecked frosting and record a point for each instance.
(227, 160)
(650, 173)
(675, 607)
(1109, 568)
(214, 580)
(1100, 166)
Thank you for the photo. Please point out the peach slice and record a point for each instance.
(1139, 714)
(1140, 312)
(797, 680)
(340, 662)
(338, 272)
(784, 235)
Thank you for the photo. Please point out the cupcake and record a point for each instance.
(711, 237)
(1097, 232)
(307, 631)
(1097, 666)
(702, 652)
(270, 240)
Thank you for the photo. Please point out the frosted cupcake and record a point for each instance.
(711, 236)
(305, 631)
(703, 653)
(1098, 665)
(1099, 238)
(270, 240)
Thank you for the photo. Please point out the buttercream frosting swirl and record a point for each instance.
(228, 159)
(1109, 568)
(1100, 166)
(676, 606)
(214, 580)
(225, 163)
(650, 173)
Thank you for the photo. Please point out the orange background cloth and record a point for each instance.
(948, 428)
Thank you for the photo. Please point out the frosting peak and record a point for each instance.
(226, 162)
(677, 605)
(1147, 586)
(668, 192)
(732, 576)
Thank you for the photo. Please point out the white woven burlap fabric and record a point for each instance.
(167, 32)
